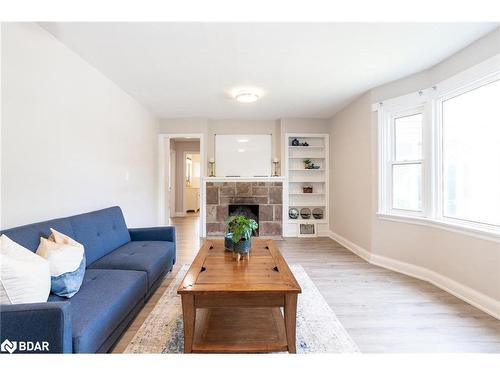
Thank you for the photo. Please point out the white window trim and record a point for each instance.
(387, 112)
(430, 100)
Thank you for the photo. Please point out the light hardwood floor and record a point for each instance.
(382, 310)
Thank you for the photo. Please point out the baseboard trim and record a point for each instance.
(356, 249)
(465, 293)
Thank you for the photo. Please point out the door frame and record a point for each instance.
(163, 150)
(172, 190)
(184, 179)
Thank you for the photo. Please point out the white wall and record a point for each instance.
(465, 265)
(72, 141)
(350, 172)
(277, 128)
(1, 123)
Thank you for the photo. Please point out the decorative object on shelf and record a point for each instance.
(275, 167)
(307, 230)
(308, 164)
(305, 213)
(317, 213)
(212, 167)
(295, 142)
(307, 188)
(293, 213)
(305, 144)
(240, 229)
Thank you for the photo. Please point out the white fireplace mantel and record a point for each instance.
(243, 179)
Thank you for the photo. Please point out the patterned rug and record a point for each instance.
(318, 329)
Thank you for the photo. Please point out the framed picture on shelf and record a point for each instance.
(307, 230)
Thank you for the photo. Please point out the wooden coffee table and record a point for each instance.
(235, 307)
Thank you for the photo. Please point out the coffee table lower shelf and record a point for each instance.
(239, 330)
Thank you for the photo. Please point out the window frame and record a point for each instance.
(387, 114)
(393, 161)
(430, 102)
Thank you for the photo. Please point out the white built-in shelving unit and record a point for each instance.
(297, 176)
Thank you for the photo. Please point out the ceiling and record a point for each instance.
(303, 69)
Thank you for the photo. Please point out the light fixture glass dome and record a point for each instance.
(246, 97)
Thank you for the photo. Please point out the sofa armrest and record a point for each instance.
(153, 234)
(47, 324)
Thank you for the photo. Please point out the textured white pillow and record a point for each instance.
(62, 257)
(24, 276)
(67, 263)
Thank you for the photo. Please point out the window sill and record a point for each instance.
(482, 233)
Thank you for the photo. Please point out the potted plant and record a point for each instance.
(239, 230)
(307, 164)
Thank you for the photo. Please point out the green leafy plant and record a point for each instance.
(307, 162)
(240, 227)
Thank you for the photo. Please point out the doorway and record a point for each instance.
(192, 181)
(181, 168)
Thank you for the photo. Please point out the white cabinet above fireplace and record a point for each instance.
(243, 155)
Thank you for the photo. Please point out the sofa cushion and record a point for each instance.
(153, 257)
(105, 299)
(100, 232)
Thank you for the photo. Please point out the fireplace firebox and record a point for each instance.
(251, 211)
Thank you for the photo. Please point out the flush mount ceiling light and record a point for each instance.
(247, 96)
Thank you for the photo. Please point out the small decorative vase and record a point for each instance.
(228, 242)
(241, 249)
(242, 246)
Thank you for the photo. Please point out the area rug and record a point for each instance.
(318, 329)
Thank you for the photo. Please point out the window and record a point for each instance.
(439, 153)
(407, 163)
(471, 155)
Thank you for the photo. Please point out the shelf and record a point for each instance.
(307, 204)
(307, 180)
(306, 221)
(303, 169)
(305, 147)
(307, 193)
(317, 152)
(305, 157)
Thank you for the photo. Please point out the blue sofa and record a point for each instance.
(124, 267)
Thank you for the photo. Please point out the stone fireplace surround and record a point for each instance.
(267, 194)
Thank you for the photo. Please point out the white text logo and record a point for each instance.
(24, 346)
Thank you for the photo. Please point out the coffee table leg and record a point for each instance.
(291, 321)
(189, 318)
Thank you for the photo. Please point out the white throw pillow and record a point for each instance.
(24, 276)
(67, 263)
